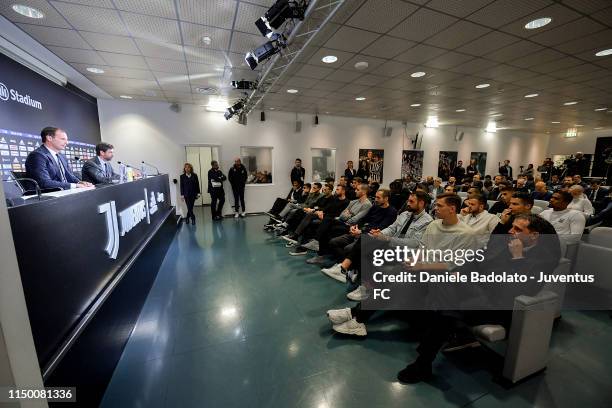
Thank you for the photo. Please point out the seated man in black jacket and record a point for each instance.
(533, 248)
(308, 227)
(504, 200)
(378, 217)
(294, 219)
(294, 196)
(520, 203)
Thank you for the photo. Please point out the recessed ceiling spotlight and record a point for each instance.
(480, 86)
(555, 122)
(600, 109)
(292, 91)
(272, 108)
(528, 118)
(27, 11)
(598, 128)
(497, 114)
(206, 40)
(537, 23)
(418, 74)
(125, 96)
(414, 105)
(570, 103)
(601, 53)
(361, 65)
(533, 95)
(360, 98)
(578, 125)
(432, 122)
(491, 127)
(460, 110)
(329, 59)
(327, 113)
(95, 70)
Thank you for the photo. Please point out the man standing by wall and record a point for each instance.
(298, 172)
(215, 188)
(237, 176)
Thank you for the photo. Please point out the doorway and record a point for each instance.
(200, 157)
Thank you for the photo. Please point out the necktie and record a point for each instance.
(403, 232)
(107, 168)
(61, 168)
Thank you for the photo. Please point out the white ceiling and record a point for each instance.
(152, 50)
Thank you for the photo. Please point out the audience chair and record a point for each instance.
(541, 203)
(601, 236)
(527, 343)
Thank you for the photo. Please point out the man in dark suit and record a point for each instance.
(99, 170)
(506, 170)
(298, 172)
(48, 167)
(597, 194)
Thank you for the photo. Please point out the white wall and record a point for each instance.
(584, 142)
(150, 131)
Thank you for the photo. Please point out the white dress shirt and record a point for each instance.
(59, 164)
(583, 205)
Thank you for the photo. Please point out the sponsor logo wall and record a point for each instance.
(30, 102)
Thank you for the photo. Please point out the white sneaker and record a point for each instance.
(339, 316)
(243, 214)
(236, 215)
(351, 327)
(358, 294)
(335, 272)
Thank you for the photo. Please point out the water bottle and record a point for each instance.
(122, 173)
(130, 174)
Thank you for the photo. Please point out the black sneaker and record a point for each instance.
(415, 373)
(299, 251)
(459, 341)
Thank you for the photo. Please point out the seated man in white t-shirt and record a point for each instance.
(568, 223)
(580, 202)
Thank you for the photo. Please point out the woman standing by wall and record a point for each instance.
(190, 190)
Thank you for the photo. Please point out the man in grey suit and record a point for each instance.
(99, 170)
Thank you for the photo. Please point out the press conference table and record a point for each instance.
(87, 261)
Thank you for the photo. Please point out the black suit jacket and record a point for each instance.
(41, 167)
(350, 173)
(190, 186)
(94, 172)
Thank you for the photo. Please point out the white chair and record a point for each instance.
(528, 340)
(601, 236)
(541, 203)
(462, 194)
(490, 203)
(536, 210)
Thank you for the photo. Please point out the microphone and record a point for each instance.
(127, 165)
(150, 165)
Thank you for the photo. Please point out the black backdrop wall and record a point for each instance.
(29, 102)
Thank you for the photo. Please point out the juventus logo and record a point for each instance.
(112, 228)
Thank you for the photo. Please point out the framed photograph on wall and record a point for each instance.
(371, 163)
(323, 164)
(446, 164)
(412, 164)
(481, 161)
(258, 162)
